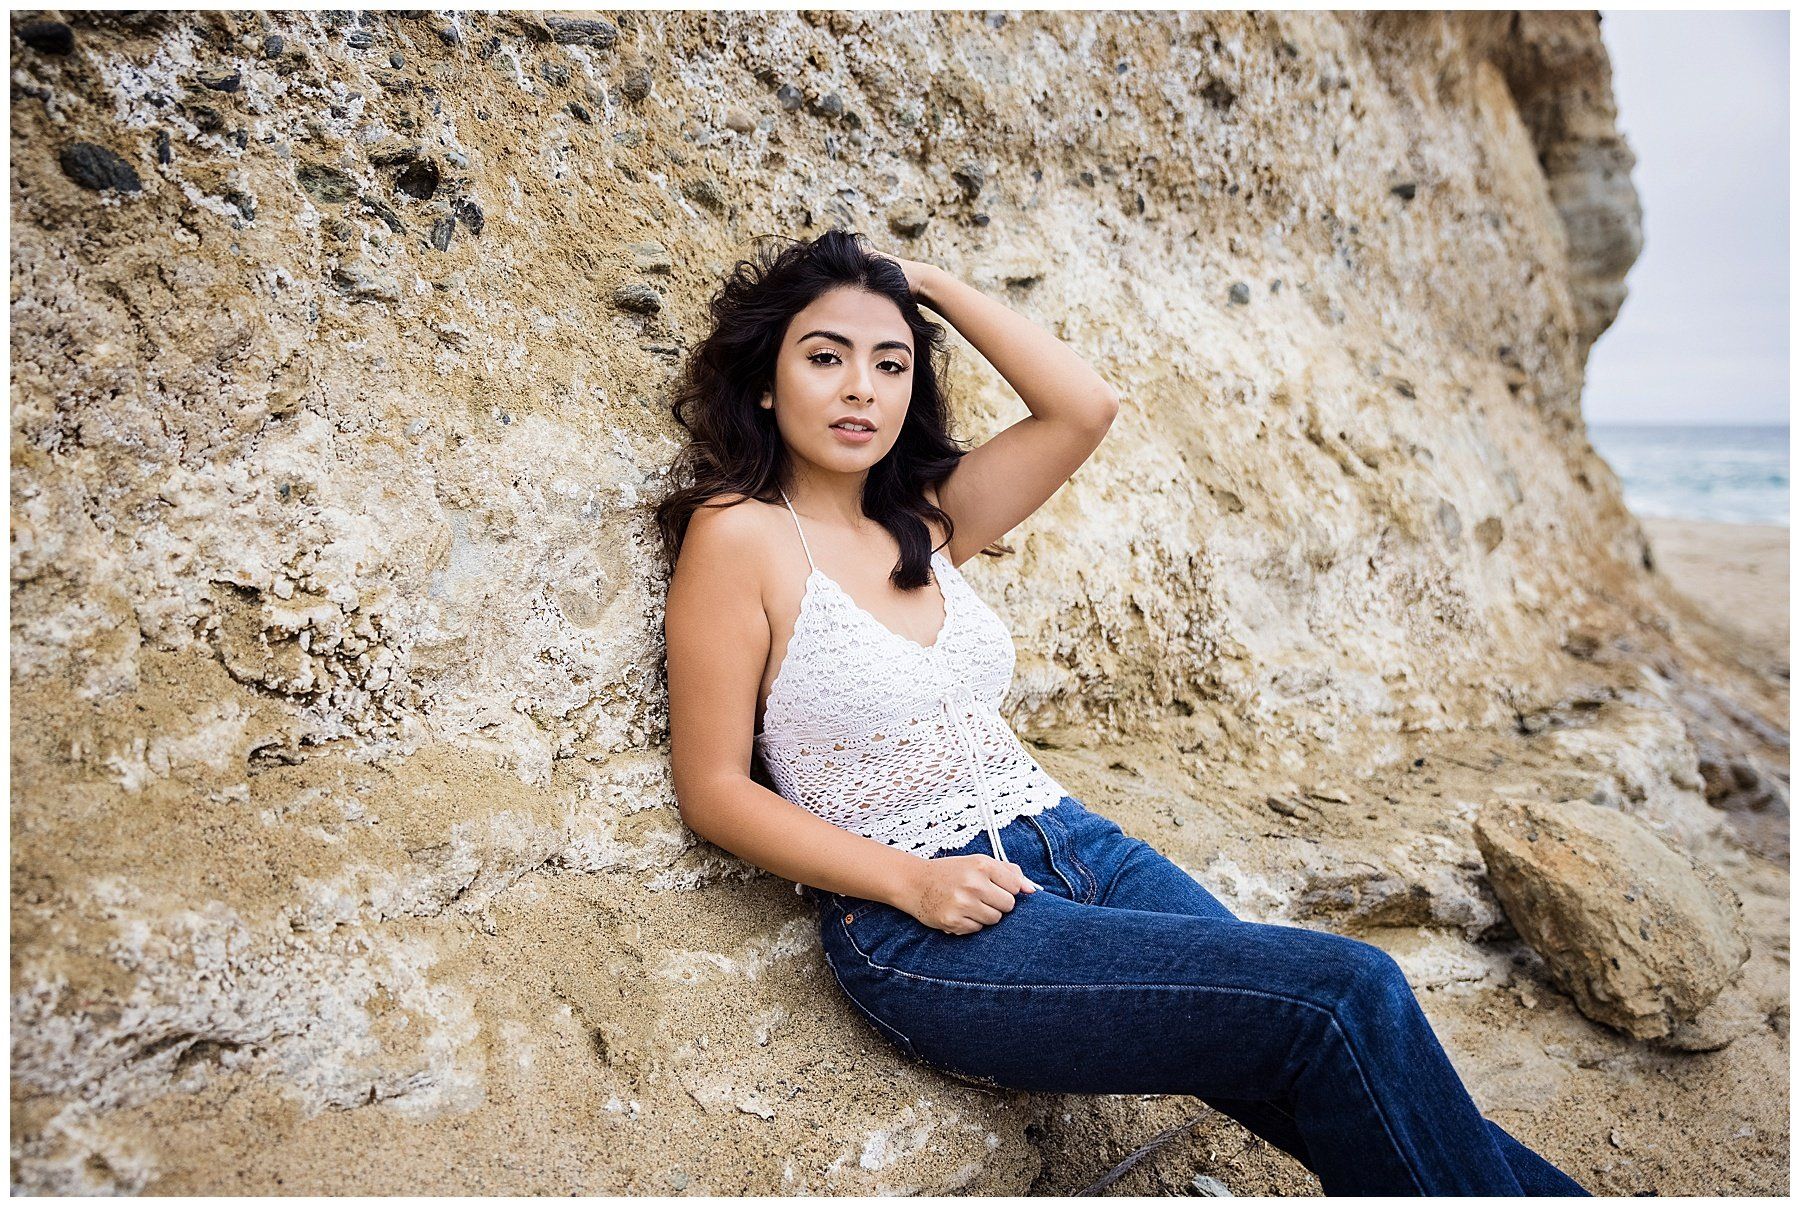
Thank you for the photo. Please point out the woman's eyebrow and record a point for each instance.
(848, 343)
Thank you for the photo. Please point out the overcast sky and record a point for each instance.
(1703, 334)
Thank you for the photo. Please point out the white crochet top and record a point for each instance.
(900, 742)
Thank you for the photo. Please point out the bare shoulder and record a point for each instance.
(737, 513)
(726, 542)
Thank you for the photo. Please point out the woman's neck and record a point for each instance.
(833, 498)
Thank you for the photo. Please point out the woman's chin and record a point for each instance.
(842, 457)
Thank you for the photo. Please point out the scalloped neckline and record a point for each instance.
(937, 643)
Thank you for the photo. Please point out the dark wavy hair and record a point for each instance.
(734, 447)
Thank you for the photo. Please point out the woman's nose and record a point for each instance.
(862, 385)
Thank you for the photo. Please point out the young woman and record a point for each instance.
(980, 917)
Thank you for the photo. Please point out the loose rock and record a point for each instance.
(969, 177)
(1638, 934)
(634, 83)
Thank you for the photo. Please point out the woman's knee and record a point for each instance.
(1368, 980)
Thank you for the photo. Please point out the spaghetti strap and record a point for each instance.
(797, 528)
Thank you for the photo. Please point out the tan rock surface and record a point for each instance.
(344, 855)
(1641, 937)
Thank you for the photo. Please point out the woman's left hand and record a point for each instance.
(914, 270)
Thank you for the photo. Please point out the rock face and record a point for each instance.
(1641, 936)
(344, 852)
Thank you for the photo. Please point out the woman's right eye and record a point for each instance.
(814, 358)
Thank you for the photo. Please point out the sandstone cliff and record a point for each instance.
(344, 855)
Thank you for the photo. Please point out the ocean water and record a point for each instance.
(1736, 474)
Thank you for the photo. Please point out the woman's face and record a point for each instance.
(848, 355)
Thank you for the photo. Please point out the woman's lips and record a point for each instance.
(852, 435)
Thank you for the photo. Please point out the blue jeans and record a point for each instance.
(1122, 975)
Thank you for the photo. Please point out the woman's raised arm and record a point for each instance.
(997, 485)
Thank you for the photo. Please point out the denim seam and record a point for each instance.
(1085, 870)
(1082, 871)
(907, 1046)
(1407, 1157)
(1050, 855)
(905, 1040)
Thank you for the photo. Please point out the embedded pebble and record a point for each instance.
(706, 191)
(46, 37)
(93, 166)
(581, 31)
(651, 256)
(637, 297)
(909, 218)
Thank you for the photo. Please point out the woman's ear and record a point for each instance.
(768, 401)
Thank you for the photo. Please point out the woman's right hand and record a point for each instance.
(960, 894)
(915, 271)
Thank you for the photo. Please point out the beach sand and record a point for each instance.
(1737, 574)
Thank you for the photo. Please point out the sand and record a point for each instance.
(1736, 573)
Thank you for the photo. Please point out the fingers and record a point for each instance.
(1000, 895)
(996, 898)
(1011, 877)
(996, 894)
(912, 284)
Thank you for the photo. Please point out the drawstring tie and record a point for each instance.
(987, 804)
